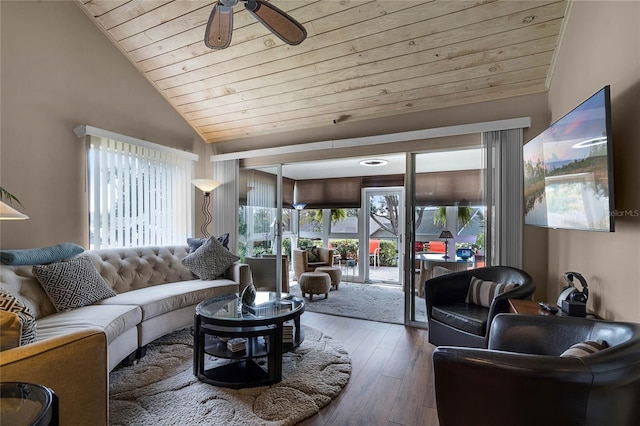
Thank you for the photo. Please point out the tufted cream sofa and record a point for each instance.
(75, 350)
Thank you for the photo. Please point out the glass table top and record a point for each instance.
(25, 403)
(267, 305)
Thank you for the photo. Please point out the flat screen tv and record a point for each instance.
(568, 170)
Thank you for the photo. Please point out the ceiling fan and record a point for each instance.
(220, 24)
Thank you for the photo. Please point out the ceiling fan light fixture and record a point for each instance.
(374, 162)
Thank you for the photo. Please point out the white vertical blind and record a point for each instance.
(225, 201)
(137, 195)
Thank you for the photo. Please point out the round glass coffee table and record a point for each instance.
(225, 328)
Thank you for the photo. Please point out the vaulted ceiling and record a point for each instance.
(361, 59)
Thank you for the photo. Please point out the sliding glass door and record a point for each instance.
(446, 224)
(382, 239)
(265, 227)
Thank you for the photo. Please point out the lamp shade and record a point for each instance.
(446, 234)
(299, 206)
(9, 213)
(206, 185)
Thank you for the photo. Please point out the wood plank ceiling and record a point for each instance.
(361, 59)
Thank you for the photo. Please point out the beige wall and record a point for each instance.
(601, 46)
(57, 72)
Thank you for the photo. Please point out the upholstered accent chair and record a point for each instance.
(302, 263)
(454, 320)
(263, 272)
(531, 375)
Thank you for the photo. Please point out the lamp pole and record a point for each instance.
(299, 207)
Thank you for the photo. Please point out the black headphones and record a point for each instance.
(576, 295)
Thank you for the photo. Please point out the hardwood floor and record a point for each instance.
(392, 375)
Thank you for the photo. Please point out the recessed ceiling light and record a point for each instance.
(374, 162)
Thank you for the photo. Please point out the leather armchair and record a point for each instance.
(301, 263)
(453, 322)
(521, 379)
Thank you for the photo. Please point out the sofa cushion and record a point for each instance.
(585, 348)
(482, 292)
(463, 316)
(210, 260)
(160, 299)
(113, 319)
(18, 324)
(73, 283)
(40, 255)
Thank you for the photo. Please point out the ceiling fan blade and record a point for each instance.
(219, 27)
(277, 21)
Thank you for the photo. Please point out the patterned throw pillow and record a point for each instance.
(210, 260)
(482, 292)
(73, 283)
(585, 348)
(26, 330)
(195, 243)
(313, 255)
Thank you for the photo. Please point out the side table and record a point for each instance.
(526, 307)
(531, 307)
(27, 404)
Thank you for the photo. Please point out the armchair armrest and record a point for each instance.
(74, 366)
(447, 289)
(539, 335)
(239, 273)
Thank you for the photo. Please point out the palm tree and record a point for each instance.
(464, 215)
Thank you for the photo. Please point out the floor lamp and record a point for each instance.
(206, 186)
(446, 235)
(299, 207)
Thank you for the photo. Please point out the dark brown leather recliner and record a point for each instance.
(454, 322)
(521, 379)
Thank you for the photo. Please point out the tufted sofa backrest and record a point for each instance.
(124, 269)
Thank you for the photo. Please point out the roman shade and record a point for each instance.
(432, 189)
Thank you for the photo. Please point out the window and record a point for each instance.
(138, 195)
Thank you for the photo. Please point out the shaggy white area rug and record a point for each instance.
(162, 390)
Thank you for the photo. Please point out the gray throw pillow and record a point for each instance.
(210, 260)
(73, 283)
(195, 243)
(313, 255)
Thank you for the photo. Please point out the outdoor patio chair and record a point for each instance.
(301, 263)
